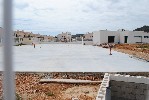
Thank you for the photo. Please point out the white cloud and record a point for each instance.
(79, 16)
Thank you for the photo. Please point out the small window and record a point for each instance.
(146, 36)
(137, 36)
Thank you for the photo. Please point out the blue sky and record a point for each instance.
(52, 17)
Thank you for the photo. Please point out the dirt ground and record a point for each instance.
(29, 88)
(136, 50)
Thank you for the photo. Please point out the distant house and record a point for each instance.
(134, 37)
(64, 37)
(22, 37)
(46, 38)
(88, 36)
(120, 36)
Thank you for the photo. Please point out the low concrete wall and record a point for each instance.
(123, 87)
(103, 92)
(126, 87)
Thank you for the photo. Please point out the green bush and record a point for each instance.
(18, 97)
(50, 93)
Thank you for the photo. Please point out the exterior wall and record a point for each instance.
(103, 92)
(122, 34)
(105, 34)
(67, 35)
(88, 36)
(123, 87)
(100, 37)
(19, 33)
(131, 36)
(28, 41)
(36, 40)
(36, 35)
(126, 87)
(127, 91)
(47, 38)
(96, 38)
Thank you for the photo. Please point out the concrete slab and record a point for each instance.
(73, 57)
(67, 81)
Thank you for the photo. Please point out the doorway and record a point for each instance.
(125, 39)
(111, 39)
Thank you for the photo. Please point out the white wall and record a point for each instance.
(131, 36)
(100, 37)
(96, 38)
(105, 34)
(27, 41)
(122, 34)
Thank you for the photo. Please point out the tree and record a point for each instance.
(145, 28)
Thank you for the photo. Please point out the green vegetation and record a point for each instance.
(144, 28)
(143, 46)
(49, 93)
(18, 97)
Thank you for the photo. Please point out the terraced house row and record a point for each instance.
(22, 37)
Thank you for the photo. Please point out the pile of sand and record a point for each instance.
(89, 92)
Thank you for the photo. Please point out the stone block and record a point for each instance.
(131, 79)
(140, 97)
(130, 85)
(112, 83)
(147, 80)
(140, 79)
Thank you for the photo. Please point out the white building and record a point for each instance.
(120, 36)
(105, 36)
(134, 37)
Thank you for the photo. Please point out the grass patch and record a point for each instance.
(144, 46)
(50, 94)
(18, 97)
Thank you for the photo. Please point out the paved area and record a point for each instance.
(73, 57)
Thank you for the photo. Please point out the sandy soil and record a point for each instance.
(29, 88)
(88, 92)
(136, 50)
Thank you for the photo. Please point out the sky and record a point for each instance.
(52, 17)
